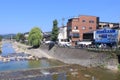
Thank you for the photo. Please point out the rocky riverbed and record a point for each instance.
(22, 48)
(68, 72)
(70, 56)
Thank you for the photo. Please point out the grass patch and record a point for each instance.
(55, 77)
(119, 67)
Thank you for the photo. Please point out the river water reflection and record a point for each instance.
(25, 64)
(100, 74)
(7, 49)
(18, 65)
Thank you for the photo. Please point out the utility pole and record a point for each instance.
(63, 19)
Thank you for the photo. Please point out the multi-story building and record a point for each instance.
(76, 27)
(26, 35)
(62, 36)
(110, 25)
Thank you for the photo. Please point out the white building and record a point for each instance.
(26, 34)
(62, 36)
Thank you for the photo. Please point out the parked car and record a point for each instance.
(48, 42)
(65, 44)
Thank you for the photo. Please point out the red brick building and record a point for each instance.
(76, 27)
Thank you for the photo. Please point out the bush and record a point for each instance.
(119, 66)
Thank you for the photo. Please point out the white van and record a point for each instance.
(84, 43)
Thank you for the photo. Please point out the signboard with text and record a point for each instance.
(106, 35)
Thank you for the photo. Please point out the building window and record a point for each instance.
(83, 27)
(90, 27)
(91, 21)
(83, 20)
(76, 27)
(76, 35)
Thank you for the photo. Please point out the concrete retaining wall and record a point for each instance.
(81, 56)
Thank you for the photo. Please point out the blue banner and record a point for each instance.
(106, 35)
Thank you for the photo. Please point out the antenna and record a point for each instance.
(63, 19)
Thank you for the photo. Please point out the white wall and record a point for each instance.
(62, 33)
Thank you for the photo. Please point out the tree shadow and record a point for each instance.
(51, 45)
(30, 48)
(33, 47)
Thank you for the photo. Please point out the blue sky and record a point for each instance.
(21, 15)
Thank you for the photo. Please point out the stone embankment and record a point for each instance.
(70, 55)
(22, 48)
(82, 57)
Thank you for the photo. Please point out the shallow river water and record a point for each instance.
(100, 74)
(26, 64)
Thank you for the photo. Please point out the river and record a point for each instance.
(98, 73)
(15, 65)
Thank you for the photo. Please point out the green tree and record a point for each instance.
(22, 38)
(0, 43)
(0, 38)
(35, 37)
(54, 34)
(18, 36)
